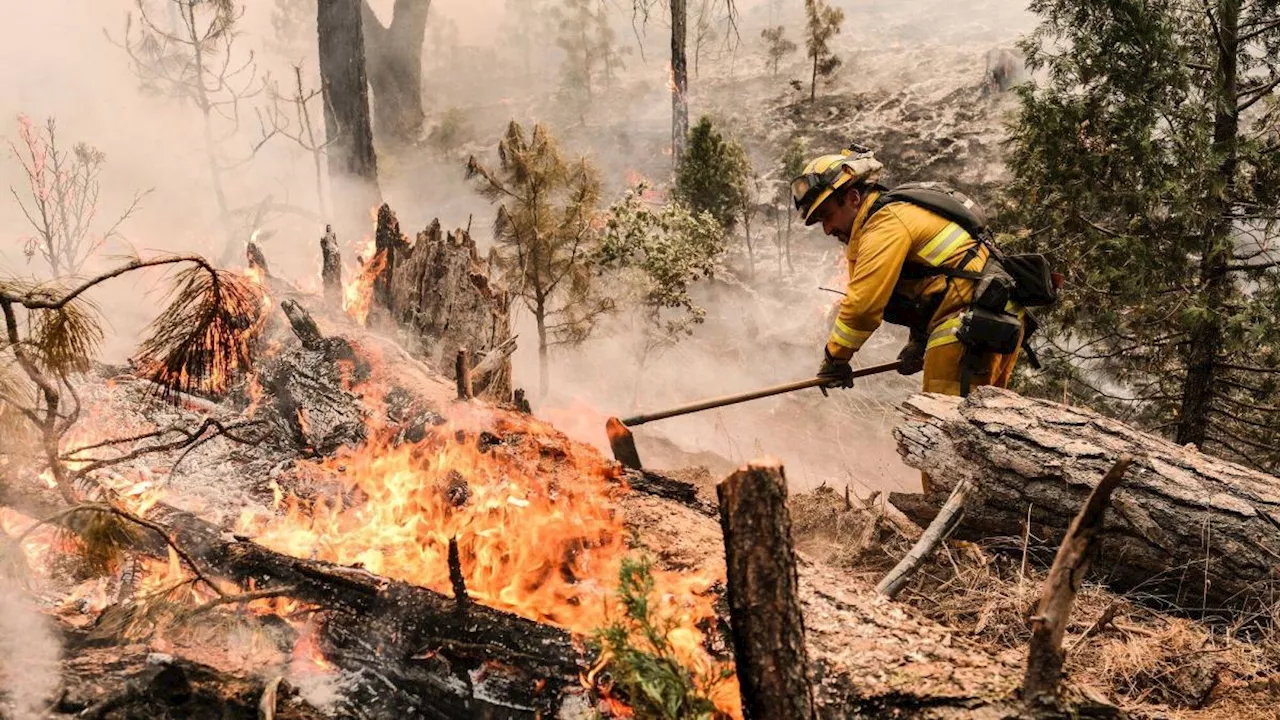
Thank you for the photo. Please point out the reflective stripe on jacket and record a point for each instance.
(878, 248)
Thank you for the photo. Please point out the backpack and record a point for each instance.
(1026, 279)
(1034, 283)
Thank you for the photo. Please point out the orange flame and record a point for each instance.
(357, 295)
(534, 515)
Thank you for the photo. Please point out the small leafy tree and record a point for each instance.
(822, 22)
(714, 175)
(776, 45)
(794, 157)
(643, 661)
(546, 229)
(62, 202)
(659, 253)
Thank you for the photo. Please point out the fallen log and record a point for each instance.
(1190, 530)
(422, 650)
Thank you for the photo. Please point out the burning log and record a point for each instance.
(443, 298)
(1034, 455)
(429, 646)
(764, 604)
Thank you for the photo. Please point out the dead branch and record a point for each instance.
(1045, 655)
(948, 517)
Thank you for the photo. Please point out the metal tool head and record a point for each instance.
(622, 443)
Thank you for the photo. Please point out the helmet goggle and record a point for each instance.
(806, 188)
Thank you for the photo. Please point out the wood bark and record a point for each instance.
(394, 56)
(679, 81)
(1189, 529)
(331, 268)
(764, 603)
(345, 89)
(1045, 656)
(443, 299)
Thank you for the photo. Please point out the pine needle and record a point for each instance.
(203, 339)
(643, 662)
(66, 339)
(100, 538)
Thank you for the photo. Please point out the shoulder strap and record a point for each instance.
(951, 204)
(939, 199)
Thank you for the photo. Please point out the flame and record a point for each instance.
(535, 517)
(357, 295)
(671, 79)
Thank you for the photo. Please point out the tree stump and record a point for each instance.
(442, 298)
(764, 602)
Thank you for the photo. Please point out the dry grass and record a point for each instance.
(1150, 663)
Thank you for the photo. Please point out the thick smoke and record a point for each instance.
(29, 654)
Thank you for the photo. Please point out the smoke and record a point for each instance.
(487, 63)
(29, 655)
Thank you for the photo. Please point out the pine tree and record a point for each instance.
(714, 175)
(546, 232)
(776, 45)
(1146, 168)
(591, 53)
(822, 23)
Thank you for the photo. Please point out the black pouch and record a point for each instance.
(993, 289)
(912, 313)
(1032, 279)
(984, 331)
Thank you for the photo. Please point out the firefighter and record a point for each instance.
(909, 266)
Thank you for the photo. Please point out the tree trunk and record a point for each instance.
(348, 127)
(1198, 388)
(1189, 529)
(679, 81)
(764, 603)
(544, 370)
(394, 55)
(441, 295)
(813, 81)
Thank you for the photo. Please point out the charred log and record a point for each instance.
(438, 657)
(1193, 531)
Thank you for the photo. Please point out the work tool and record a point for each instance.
(624, 444)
